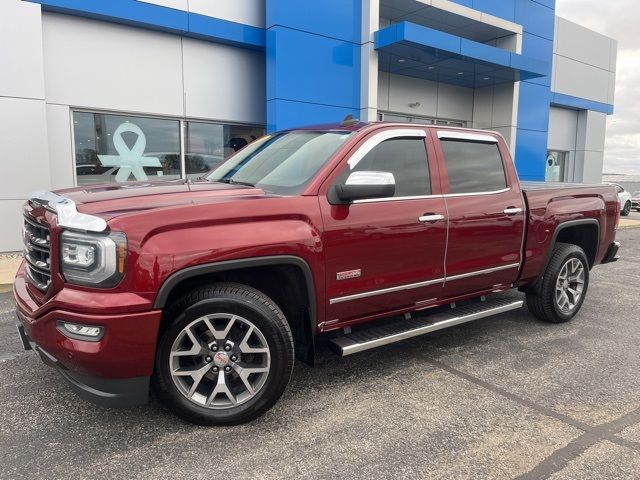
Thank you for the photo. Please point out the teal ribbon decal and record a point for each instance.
(130, 160)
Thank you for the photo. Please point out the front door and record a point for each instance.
(486, 212)
(385, 254)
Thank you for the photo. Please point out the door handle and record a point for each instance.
(512, 211)
(430, 218)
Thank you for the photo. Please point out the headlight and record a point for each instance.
(92, 259)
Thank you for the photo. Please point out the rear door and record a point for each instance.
(385, 254)
(485, 208)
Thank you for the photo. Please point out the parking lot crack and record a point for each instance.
(561, 457)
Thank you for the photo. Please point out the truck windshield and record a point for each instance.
(283, 163)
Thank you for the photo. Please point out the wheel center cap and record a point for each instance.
(565, 284)
(221, 359)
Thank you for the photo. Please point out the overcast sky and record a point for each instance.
(617, 19)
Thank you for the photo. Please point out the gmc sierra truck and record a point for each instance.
(350, 235)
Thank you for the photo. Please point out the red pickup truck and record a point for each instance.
(352, 235)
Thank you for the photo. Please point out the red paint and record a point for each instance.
(174, 225)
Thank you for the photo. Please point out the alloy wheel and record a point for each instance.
(220, 361)
(570, 285)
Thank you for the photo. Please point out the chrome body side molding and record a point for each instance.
(373, 293)
(68, 215)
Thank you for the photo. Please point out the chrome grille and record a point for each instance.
(37, 253)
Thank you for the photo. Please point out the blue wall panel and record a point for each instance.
(535, 18)
(505, 9)
(339, 19)
(311, 68)
(531, 153)
(534, 107)
(538, 23)
(541, 49)
(284, 114)
(313, 61)
(155, 17)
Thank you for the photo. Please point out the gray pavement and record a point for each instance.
(503, 397)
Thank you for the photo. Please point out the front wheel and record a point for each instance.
(626, 210)
(226, 357)
(563, 287)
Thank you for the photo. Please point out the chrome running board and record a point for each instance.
(362, 340)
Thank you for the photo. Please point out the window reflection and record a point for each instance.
(120, 148)
(112, 148)
(208, 145)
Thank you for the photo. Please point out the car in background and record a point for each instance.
(624, 198)
(635, 201)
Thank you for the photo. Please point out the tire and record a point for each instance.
(626, 210)
(547, 302)
(192, 350)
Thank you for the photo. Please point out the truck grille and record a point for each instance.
(37, 253)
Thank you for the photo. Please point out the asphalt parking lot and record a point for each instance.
(503, 397)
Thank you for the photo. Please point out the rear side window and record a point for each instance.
(406, 158)
(473, 166)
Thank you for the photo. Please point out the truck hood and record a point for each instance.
(112, 199)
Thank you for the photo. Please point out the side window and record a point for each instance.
(473, 166)
(405, 158)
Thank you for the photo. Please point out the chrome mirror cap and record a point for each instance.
(68, 215)
(371, 178)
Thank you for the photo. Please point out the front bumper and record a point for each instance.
(113, 371)
(108, 392)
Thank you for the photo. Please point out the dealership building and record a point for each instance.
(119, 90)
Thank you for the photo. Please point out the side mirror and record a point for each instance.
(363, 185)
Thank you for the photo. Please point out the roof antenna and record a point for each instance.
(349, 121)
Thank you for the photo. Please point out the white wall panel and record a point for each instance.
(592, 127)
(563, 124)
(611, 88)
(25, 157)
(483, 107)
(436, 99)
(580, 80)
(455, 102)
(581, 44)
(11, 215)
(592, 163)
(502, 115)
(249, 12)
(383, 91)
(21, 71)
(60, 148)
(109, 66)
(404, 91)
(223, 82)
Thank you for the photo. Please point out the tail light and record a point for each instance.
(618, 207)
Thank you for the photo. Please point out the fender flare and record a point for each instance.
(559, 228)
(189, 272)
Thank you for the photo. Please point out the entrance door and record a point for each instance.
(385, 254)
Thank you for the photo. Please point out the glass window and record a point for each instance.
(473, 166)
(406, 158)
(120, 148)
(556, 163)
(283, 163)
(207, 145)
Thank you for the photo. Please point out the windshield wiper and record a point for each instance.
(236, 182)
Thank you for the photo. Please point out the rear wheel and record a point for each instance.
(226, 357)
(626, 210)
(563, 287)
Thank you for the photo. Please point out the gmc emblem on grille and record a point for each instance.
(348, 274)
